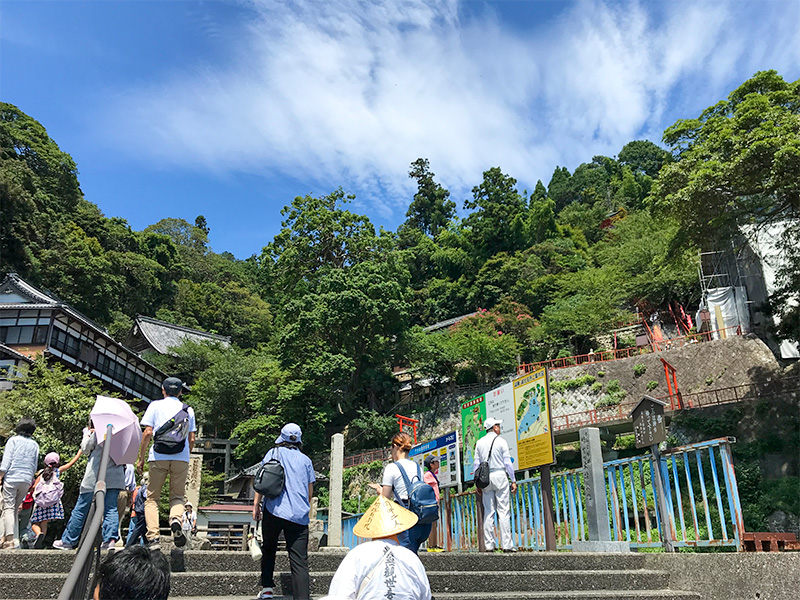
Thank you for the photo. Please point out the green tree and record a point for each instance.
(38, 185)
(737, 162)
(560, 190)
(431, 209)
(497, 221)
(643, 157)
(60, 402)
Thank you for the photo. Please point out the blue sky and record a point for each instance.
(231, 109)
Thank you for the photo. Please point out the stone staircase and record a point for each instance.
(233, 575)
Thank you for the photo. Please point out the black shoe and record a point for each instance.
(509, 550)
(39, 543)
(177, 535)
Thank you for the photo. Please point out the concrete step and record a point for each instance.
(59, 561)
(592, 595)
(228, 583)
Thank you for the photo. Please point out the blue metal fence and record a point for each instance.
(702, 500)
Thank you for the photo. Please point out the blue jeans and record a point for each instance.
(413, 538)
(136, 531)
(72, 533)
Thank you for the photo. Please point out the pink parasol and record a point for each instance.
(126, 434)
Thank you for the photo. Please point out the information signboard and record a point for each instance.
(534, 430)
(498, 404)
(445, 448)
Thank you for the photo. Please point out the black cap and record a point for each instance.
(172, 385)
(430, 459)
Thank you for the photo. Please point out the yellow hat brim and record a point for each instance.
(384, 518)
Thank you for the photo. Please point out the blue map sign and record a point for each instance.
(444, 448)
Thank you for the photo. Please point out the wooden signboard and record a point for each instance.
(649, 428)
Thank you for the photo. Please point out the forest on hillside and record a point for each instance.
(319, 318)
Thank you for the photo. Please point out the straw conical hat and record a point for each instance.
(384, 518)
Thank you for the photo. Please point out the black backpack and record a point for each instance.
(171, 436)
(421, 497)
(482, 472)
(271, 477)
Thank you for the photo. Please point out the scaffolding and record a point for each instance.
(723, 269)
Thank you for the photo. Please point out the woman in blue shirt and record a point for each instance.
(288, 513)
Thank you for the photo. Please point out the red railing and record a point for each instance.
(609, 355)
(726, 395)
(366, 457)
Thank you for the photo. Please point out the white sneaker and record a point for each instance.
(109, 545)
(265, 594)
(59, 545)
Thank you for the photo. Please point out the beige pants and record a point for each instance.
(178, 470)
(13, 495)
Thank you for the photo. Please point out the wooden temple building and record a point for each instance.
(34, 323)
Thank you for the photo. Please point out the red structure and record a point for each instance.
(404, 422)
(672, 386)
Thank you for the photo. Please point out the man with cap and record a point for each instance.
(172, 419)
(381, 568)
(287, 512)
(494, 449)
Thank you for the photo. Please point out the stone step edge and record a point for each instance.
(182, 574)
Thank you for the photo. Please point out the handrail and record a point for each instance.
(622, 353)
(76, 585)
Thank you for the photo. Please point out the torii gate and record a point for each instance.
(404, 422)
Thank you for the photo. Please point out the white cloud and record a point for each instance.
(350, 93)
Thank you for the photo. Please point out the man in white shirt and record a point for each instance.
(381, 568)
(496, 497)
(174, 463)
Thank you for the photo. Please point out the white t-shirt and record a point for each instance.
(189, 521)
(400, 575)
(392, 477)
(158, 413)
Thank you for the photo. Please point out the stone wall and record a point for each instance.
(734, 576)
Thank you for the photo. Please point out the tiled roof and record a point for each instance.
(162, 335)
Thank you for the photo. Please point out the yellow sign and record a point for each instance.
(532, 419)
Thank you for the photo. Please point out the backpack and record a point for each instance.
(171, 436)
(270, 479)
(138, 504)
(48, 493)
(482, 472)
(421, 498)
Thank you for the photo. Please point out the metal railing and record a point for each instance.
(76, 586)
(622, 353)
(727, 395)
(702, 500)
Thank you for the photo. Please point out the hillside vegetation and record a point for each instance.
(331, 304)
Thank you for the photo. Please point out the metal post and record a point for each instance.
(666, 528)
(547, 507)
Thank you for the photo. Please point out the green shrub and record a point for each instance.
(651, 385)
(639, 369)
(571, 384)
(613, 386)
(601, 373)
(596, 387)
(608, 400)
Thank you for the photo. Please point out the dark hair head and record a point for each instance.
(135, 573)
(403, 441)
(47, 473)
(26, 426)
